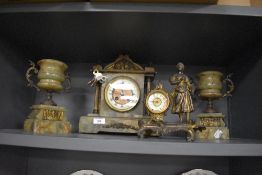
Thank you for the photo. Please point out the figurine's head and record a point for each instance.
(180, 66)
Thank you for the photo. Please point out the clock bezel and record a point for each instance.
(108, 102)
(153, 92)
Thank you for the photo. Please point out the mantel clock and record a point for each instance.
(119, 97)
(157, 103)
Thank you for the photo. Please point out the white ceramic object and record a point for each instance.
(86, 172)
(199, 172)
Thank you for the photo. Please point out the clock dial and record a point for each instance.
(157, 101)
(122, 94)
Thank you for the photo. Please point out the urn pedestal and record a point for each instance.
(46, 119)
(214, 124)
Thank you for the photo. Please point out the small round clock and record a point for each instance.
(157, 103)
(122, 94)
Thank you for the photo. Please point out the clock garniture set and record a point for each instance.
(125, 103)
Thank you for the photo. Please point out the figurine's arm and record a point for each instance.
(173, 93)
(193, 89)
(172, 80)
(190, 86)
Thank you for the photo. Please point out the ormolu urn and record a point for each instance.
(210, 85)
(51, 75)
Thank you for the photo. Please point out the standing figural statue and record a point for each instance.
(181, 94)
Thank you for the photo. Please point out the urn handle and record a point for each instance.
(230, 86)
(67, 83)
(28, 75)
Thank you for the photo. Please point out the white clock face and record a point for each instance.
(122, 94)
(157, 102)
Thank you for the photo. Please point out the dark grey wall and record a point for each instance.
(246, 101)
(149, 37)
(245, 165)
(13, 160)
(16, 98)
(46, 162)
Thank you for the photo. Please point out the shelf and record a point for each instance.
(132, 144)
(132, 7)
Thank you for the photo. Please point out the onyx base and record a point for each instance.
(213, 133)
(93, 123)
(37, 126)
(215, 126)
(47, 119)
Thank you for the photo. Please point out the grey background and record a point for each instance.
(246, 102)
(229, 43)
(97, 37)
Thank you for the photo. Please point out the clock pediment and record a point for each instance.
(124, 64)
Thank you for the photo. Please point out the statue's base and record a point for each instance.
(161, 129)
(215, 126)
(45, 119)
(93, 123)
(213, 133)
